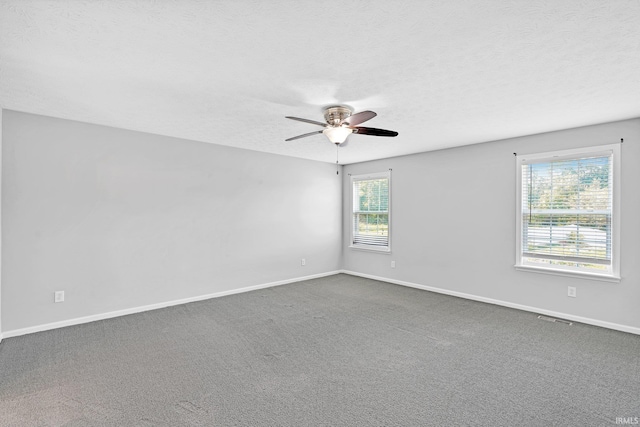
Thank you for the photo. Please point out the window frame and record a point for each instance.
(362, 246)
(578, 153)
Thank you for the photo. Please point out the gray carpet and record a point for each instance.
(336, 351)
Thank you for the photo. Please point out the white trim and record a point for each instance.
(109, 315)
(609, 149)
(371, 248)
(569, 273)
(586, 320)
(598, 150)
(118, 313)
(367, 176)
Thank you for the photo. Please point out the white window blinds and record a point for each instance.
(370, 205)
(566, 211)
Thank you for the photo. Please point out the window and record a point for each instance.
(567, 213)
(370, 207)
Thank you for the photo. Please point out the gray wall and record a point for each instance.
(1, 114)
(453, 225)
(120, 219)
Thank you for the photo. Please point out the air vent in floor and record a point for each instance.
(551, 319)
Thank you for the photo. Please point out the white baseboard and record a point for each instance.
(102, 316)
(586, 320)
(111, 314)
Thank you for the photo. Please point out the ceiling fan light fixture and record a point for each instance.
(337, 134)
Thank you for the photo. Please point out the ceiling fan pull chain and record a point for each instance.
(337, 165)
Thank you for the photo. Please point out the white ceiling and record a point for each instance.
(441, 73)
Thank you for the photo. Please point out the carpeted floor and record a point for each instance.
(336, 351)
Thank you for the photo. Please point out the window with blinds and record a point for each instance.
(566, 210)
(370, 207)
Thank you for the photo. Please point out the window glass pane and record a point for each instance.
(372, 224)
(567, 212)
(373, 195)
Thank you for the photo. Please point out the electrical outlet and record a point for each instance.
(58, 296)
(303, 262)
(393, 264)
(571, 292)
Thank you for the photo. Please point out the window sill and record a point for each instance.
(379, 249)
(575, 274)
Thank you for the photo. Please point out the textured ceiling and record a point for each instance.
(441, 73)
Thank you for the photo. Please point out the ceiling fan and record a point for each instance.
(341, 122)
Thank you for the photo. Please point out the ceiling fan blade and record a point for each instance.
(358, 118)
(304, 135)
(374, 131)
(313, 122)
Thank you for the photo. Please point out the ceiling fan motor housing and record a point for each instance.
(334, 115)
